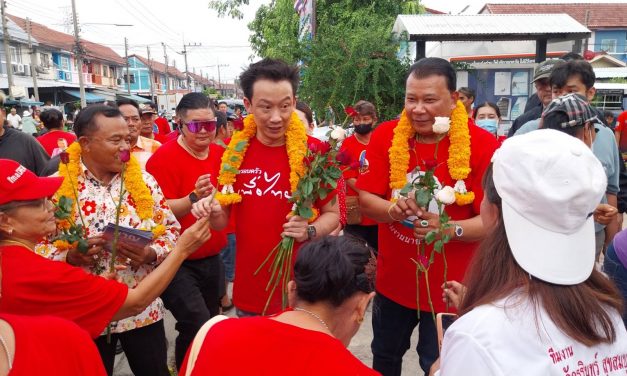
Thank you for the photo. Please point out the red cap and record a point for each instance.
(17, 183)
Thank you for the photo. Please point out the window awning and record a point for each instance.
(89, 97)
(134, 97)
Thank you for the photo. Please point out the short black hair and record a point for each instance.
(487, 104)
(268, 69)
(152, 105)
(332, 269)
(571, 56)
(305, 109)
(434, 66)
(562, 72)
(221, 119)
(52, 118)
(85, 124)
(193, 101)
(125, 101)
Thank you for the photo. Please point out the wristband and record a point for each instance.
(390, 214)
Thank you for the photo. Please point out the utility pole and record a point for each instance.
(150, 78)
(167, 83)
(7, 50)
(33, 60)
(186, 68)
(79, 55)
(128, 76)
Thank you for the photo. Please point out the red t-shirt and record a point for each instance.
(357, 153)
(396, 272)
(621, 126)
(263, 182)
(176, 171)
(33, 285)
(46, 345)
(163, 125)
(50, 140)
(262, 346)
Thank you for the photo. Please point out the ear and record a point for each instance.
(6, 223)
(454, 98)
(248, 105)
(590, 93)
(291, 293)
(362, 305)
(84, 142)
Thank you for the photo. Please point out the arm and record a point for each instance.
(613, 227)
(352, 182)
(617, 135)
(156, 282)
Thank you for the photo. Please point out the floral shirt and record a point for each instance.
(97, 203)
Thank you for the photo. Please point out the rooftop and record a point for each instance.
(159, 67)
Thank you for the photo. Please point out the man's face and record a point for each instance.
(574, 85)
(222, 107)
(131, 116)
(426, 98)
(202, 138)
(363, 119)
(229, 129)
(104, 145)
(146, 124)
(543, 89)
(272, 105)
(13, 111)
(466, 100)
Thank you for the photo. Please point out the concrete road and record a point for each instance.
(360, 346)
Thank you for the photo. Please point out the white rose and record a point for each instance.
(441, 125)
(446, 195)
(338, 134)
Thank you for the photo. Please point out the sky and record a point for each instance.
(224, 41)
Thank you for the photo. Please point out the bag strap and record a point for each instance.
(198, 341)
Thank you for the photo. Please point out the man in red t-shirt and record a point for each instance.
(187, 170)
(364, 118)
(263, 182)
(621, 128)
(429, 92)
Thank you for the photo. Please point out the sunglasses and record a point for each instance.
(207, 125)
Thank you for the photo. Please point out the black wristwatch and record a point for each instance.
(311, 232)
(193, 197)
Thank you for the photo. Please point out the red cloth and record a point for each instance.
(50, 140)
(621, 126)
(163, 125)
(396, 272)
(46, 345)
(341, 184)
(263, 182)
(357, 153)
(270, 347)
(177, 171)
(33, 285)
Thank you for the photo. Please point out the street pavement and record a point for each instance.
(360, 346)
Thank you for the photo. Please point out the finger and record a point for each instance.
(413, 207)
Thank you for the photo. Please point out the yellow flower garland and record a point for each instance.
(458, 153)
(296, 144)
(133, 181)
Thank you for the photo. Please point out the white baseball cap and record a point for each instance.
(550, 184)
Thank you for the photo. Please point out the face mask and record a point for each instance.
(487, 124)
(363, 128)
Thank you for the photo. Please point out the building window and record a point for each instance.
(111, 72)
(65, 63)
(15, 56)
(131, 78)
(44, 60)
(105, 71)
(608, 99)
(608, 45)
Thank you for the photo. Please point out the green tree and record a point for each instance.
(352, 56)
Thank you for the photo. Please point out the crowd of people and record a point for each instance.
(535, 266)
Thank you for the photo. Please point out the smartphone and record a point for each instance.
(442, 322)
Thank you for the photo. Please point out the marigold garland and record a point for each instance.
(133, 181)
(296, 145)
(458, 153)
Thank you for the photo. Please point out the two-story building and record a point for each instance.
(150, 77)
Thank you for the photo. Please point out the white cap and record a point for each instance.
(25, 113)
(550, 184)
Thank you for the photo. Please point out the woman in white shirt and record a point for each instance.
(534, 303)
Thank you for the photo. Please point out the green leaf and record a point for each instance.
(234, 158)
(305, 212)
(430, 237)
(307, 188)
(322, 193)
(446, 238)
(82, 246)
(239, 147)
(444, 218)
(437, 246)
(423, 197)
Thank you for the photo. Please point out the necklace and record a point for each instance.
(6, 350)
(189, 150)
(16, 242)
(314, 316)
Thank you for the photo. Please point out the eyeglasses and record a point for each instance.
(207, 125)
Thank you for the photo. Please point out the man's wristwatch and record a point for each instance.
(459, 231)
(193, 197)
(311, 232)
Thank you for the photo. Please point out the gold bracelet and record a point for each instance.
(390, 214)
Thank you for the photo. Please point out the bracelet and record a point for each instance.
(390, 214)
